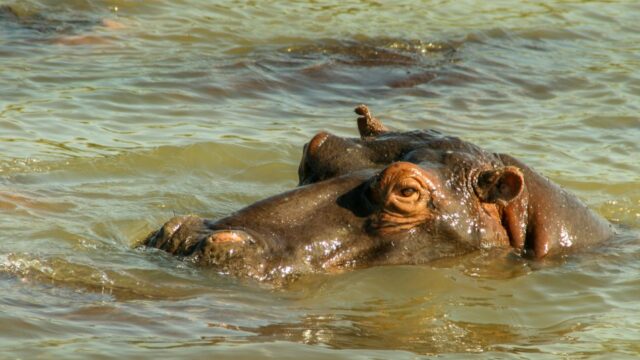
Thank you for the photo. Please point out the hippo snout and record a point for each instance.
(179, 235)
(205, 241)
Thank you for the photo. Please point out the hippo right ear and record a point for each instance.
(499, 186)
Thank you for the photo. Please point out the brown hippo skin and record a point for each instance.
(388, 198)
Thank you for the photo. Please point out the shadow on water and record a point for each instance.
(29, 20)
(23, 23)
(347, 68)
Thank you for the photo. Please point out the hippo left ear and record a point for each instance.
(499, 186)
(367, 124)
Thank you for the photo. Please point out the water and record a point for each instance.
(115, 115)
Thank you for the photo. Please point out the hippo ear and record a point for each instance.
(500, 185)
(367, 124)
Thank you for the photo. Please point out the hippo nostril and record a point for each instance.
(171, 235)
(229, 236)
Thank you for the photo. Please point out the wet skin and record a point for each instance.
(388, 198)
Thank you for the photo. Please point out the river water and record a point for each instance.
(115, 115)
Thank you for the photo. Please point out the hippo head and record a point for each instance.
(383, 198)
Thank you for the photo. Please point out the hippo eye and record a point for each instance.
(408, 191)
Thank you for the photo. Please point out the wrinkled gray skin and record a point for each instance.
(388, 198)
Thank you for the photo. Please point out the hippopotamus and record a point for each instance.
(388, 198)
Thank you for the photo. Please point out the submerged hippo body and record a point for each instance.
(388, 198)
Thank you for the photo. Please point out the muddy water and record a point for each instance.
(115, 115)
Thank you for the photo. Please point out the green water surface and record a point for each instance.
(117, 114)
